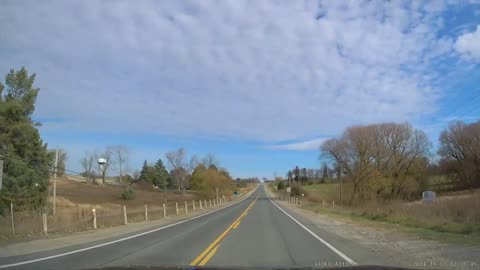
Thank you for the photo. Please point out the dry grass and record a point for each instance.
(75, 201)
(453, 214)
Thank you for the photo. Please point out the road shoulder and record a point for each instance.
(93, 237)
(386, 244)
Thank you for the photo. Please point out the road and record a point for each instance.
(253, 232)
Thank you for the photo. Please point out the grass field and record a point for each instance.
(454, 215)
(75, 201)
(327, 191)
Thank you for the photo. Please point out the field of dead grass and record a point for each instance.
(75, 201)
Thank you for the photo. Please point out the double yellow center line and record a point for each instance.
(208, 253)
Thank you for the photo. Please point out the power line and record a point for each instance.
(459, 102)
(36, 163)
(40, 169)
(460, 111)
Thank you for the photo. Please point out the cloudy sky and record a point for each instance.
(260, 84)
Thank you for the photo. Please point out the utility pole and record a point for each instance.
(340, 191)
(1, 173)
(339, 177)
(55, 182)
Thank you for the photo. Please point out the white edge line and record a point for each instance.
(338, 252)
(119, 240)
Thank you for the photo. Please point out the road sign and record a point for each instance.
(289, 189)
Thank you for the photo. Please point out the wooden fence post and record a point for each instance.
(193, 204)
(333, 204)
(146, 212)
(210, 203)
(323, 203)
(94, 213)
(125, 221)
(11, 215)
(200, 201)
(186, 207)
(176, 207)
(44, 223)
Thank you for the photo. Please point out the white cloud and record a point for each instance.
(255, 70)
(468, 44)
(299, 146)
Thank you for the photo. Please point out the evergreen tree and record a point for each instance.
(143, 172)
(25, 172)
(161, 176)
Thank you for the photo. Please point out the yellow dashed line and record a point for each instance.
(208, 253)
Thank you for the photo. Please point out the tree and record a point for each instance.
(296, 174)
(206, 180)
(120, 156)
(460, 152)
(161, 179)
(210, 161)
(289, 178)
(310, 174)
(385, 159)
(26, 161)
(181, 166)
(324, 172)
(144, 172)
(87, 162)
(304, 177)
(148, 174)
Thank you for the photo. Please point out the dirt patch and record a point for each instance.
(72, 193)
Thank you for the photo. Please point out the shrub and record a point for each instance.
(128, 194)
(280, 186)
(295, 191)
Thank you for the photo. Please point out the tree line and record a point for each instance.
(392, 160)
(179, 171)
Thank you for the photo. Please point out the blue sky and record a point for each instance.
(260, 84)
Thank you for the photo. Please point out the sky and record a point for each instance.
(259, 84)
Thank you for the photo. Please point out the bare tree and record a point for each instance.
(310, 174)
(87, 162)
(379, 157)
(120, 155)
(460, 148)
(181, 166)
(210, 160)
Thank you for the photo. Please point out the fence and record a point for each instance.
(18, 224)
(299, 201)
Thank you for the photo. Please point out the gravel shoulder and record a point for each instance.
(389, 242)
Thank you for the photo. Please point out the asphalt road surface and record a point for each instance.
(253, 232)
